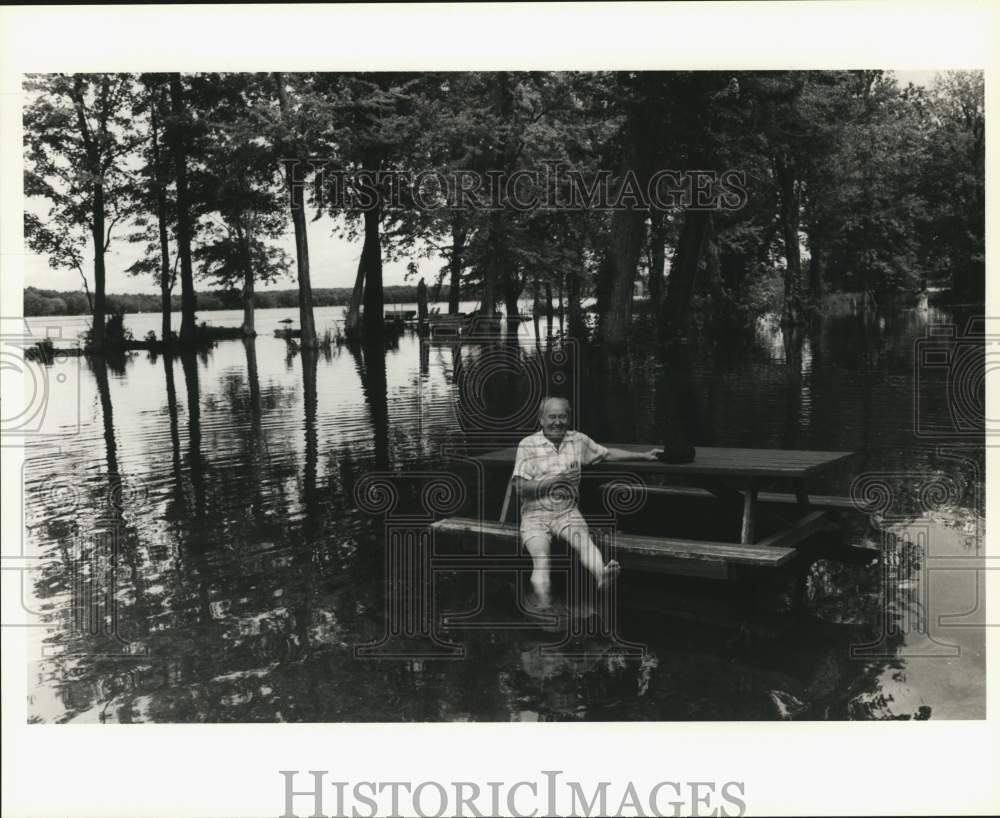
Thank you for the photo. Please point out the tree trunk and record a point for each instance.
(628, 231)
(548, 299)
(789, 211)
(511, 292)
(352, 324)
(166, 332)
(496, 272)
(97, 223)
(184, 229)
(491, 268)
(658, 259)
(248, 288)
(372, 255)
(574, 314)
(92, 150)
(683, 272)
(723, 306)
(733, 269)
(619, 268)
(455, 268)
(422, 302)
(817, 269)
(306, 321)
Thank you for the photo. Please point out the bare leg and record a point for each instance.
(577, 534)
(537, 544)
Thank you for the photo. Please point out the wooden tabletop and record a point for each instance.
(711, 460)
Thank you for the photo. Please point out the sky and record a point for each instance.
(333, 259)
(333, 263)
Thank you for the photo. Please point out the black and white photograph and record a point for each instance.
(427, 395)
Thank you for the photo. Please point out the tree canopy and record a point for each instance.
(814, 182)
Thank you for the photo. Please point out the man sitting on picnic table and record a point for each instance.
(547, 477)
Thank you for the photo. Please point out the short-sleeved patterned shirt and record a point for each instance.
(538, 457)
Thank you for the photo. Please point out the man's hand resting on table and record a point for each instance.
(625, 454)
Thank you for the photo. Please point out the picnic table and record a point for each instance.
(733, 475)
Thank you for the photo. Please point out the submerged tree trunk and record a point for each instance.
(184, 229)
(455, 268)
(298, 207)
(683, 272)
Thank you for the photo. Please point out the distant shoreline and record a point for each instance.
(39, 303)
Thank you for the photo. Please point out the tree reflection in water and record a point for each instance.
(241, 574)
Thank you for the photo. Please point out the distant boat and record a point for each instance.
(285, 321)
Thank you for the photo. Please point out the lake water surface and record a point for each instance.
(214, 532)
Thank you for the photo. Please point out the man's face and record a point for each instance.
(555, 419)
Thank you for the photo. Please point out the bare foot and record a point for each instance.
(609, 574)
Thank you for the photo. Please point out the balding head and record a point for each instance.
(554, 403)
(553, 417)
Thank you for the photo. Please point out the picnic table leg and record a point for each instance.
(749, 514)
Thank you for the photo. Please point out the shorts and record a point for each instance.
(567, 525)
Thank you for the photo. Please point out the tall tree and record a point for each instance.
(78, 131)
(152, 210)
(293, 146)
(376, 119)
(243, 194)
(178, 135)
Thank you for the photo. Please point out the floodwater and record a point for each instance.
(236, 536)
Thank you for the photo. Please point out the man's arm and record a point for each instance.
(624, 454)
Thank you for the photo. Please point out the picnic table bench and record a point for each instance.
(729, 474)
